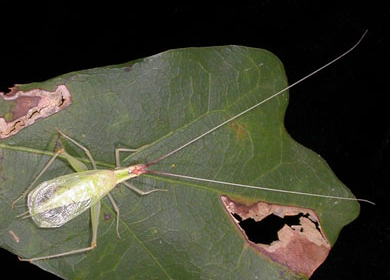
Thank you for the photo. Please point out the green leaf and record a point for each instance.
(160, 103)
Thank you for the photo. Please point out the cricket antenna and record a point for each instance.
(258, 104)
(259, 188)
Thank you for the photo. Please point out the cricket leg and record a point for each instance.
(95, 213)
(141, 192)
(59, 151)
(116, 209)
(95, 209)
(117, 154)
(81, 147)
(75, 163)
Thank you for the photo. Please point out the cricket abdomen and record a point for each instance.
(55, 202)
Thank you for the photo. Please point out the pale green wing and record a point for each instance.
(55, 202)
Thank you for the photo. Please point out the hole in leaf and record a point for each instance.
(23, 108)
(266, 230)
(288, 235)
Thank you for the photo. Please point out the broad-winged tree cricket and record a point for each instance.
(54, 202)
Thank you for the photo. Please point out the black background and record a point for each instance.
(341, 113)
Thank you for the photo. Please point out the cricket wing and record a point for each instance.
(55, 202)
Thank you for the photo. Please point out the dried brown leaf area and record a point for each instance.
(301, 247)
(23, 108)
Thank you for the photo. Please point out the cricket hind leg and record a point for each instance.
(95, 209)
(95, 214)
(86, 151)
(37, 177)
(76, 164)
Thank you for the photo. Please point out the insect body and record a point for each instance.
(55, 202)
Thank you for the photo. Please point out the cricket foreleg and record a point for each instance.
(119, 150)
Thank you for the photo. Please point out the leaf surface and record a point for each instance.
(159, 103)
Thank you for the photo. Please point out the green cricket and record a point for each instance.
(55, 202)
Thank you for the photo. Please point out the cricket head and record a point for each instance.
(136, 170)
(125, 173)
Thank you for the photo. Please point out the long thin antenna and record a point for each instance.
(257, 104)
(258, 188)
